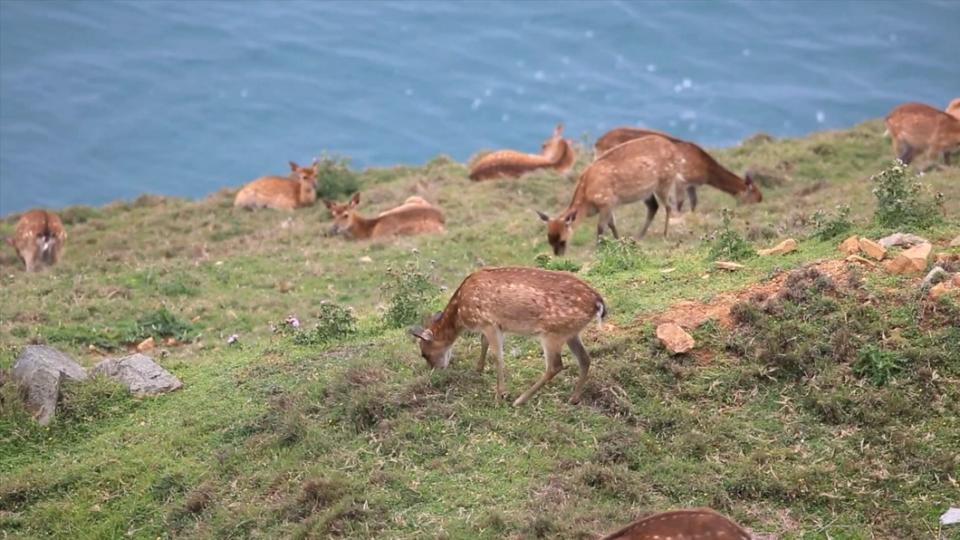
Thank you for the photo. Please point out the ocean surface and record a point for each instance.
(102, 100)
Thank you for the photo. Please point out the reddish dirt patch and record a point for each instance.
(690, 314)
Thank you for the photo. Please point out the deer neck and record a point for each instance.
(361, 227)
(449, 326)
(719, 177)
(566, 157)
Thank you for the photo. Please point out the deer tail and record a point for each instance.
(601, 313)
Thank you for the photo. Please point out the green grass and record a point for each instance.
(828, 413)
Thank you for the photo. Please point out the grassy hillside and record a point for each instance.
(830, 410)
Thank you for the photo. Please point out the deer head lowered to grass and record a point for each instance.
(556, 153)
(296, 191)
(414, 216)
(39, 239)
(554, 306)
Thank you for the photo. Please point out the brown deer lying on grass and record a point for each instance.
(38, 239)
(554, 306)
(692, 524)
(296, 191)
(921, 133)
(635, 170)
(414, 216)
(556, 152)
(701, 167)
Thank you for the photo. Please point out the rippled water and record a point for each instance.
(104, 100)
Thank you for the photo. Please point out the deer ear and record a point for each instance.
(543, 217)
(9, 240)
(294, 166)
(328, 204)
(436, 317)
(748, 179)
(558, 131)
(418, 332)
(571, 218)
(355, 200)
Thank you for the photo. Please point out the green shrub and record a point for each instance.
(335, 180)
(548, 262)
(877, 365)
(411, 293)
(902, 201)
(162, 324)
(156, 324)
(728, 245)
(94, 399)
(827, 227)
(617, 255)
(334, 323)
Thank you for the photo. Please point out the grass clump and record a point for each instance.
(877, 365)
(547, 262)
(411, 290)
(902, 200)
(91, 400)
(334, 177)
(728, 244)
(157, 324)
(334, 323)
(828, 227)
(617, 255)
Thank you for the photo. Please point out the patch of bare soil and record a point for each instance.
(690, 314)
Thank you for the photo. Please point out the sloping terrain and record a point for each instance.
(825, 406)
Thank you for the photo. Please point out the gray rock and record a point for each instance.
(936, 275)
(40, 370)
(140, 374)
(901, 239)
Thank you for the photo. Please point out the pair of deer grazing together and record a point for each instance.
(414, 216)
(922, 133)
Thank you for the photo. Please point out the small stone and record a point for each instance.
(786, 246)
(861, 260)
(911, 260)
(901, 239)
(942, 288)
(946, 258)
(850, 245)
(674, 338)
(727, 265)
(873, 249)
(366, 259)
(39, 370)
(146, 345)
(140, 374)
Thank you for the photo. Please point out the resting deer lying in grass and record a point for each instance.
(556, 153)
(554, 306)
(921, 133)
(296, 191)
(701, 167)
(636, 170)
(38, 239)
(414, 216)
(692, 524)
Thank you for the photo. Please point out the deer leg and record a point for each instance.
(30, 259)
(905, 152)
(692, 194)
(652, 207)
(494, 337)
(484, 345)
(612, 223)
(554, 364)
(576, 346)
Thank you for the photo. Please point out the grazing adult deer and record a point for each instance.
(414, 216)
(556, 153)
(39, 239)
(298, 190)
(554, 306)
(636, 170)
(691, 524)
(921, 132)
(701, 167)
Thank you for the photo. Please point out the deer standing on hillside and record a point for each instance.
(920, 131)
(635, 170)
(414, 216)
(692, 524)
(554, 306)
(296, 191)
(701, 167)
(556, 153)
(39, 239)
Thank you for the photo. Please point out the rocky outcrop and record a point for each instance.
(911, 260)
(140, 374)
(40, 370)
(786, 246)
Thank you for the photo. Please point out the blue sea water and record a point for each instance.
(101, 100)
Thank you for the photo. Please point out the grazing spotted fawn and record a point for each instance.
(280, 193)
(556, 153)
(691, 524)
(414, 216)
(554, 306)
(38, 239)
